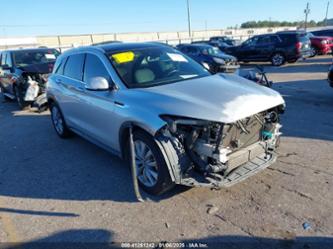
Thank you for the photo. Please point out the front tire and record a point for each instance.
(153, 173)
(278, 59)
(20, 99)
(58, 121)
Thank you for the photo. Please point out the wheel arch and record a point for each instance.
(124, 134)
(278, 52)
(165, 147)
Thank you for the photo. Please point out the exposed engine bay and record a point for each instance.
(33, 87)
(209, 152)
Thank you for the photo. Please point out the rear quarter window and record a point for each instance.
(288, 38)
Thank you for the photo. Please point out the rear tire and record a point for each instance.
(153, 173)
(58, 121)
(278, 59)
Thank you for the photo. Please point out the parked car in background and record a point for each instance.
(288, 46)
(323, 32)
(320, 45)
(189, 127)
(218, 44)
(210, 57)
(24, 73)
(227, 40)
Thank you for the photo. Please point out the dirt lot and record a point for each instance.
(54, 190)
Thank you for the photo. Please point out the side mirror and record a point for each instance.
(97, 84)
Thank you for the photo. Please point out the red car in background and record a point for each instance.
(320, 44)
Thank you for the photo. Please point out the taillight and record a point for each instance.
(324, 42)
(298, 46)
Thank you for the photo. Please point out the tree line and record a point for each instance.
(272, 24)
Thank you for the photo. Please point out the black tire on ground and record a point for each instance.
(20, 98)
(292, 61)
(278, 59)
(58, 121)
(164, 182)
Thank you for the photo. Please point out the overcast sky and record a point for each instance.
(45, 17)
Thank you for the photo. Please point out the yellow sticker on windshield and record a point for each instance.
(123, 57)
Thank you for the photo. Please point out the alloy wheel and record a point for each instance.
(57, 120)
(278, 59)
(146, 164)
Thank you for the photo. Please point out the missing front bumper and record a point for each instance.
(237, 175)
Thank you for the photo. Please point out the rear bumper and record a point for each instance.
(305, 54)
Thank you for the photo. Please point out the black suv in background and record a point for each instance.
(24, 73)
(287, 46)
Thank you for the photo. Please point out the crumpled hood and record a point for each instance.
(222, 98)
(43, 68)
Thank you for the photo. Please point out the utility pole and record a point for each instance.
(189, 18)
(328, 4)
(306, 12)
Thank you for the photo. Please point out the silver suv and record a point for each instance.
(190, 127)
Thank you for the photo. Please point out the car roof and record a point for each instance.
(219, 36)
(28, 50)
(197, 45)
(291, 32)
(115, 47)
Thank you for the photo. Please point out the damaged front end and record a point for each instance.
(213, 154)
(32, 87)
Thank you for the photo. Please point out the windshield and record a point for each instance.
(154, 66)
(210, 51)
(26, 58)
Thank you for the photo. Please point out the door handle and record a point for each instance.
(58, 81)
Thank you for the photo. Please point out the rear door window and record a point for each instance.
(94, 67)
(74, 66)
(263, 40)
(288, 38)
(274, 39)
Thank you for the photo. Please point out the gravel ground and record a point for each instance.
(54, 190)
